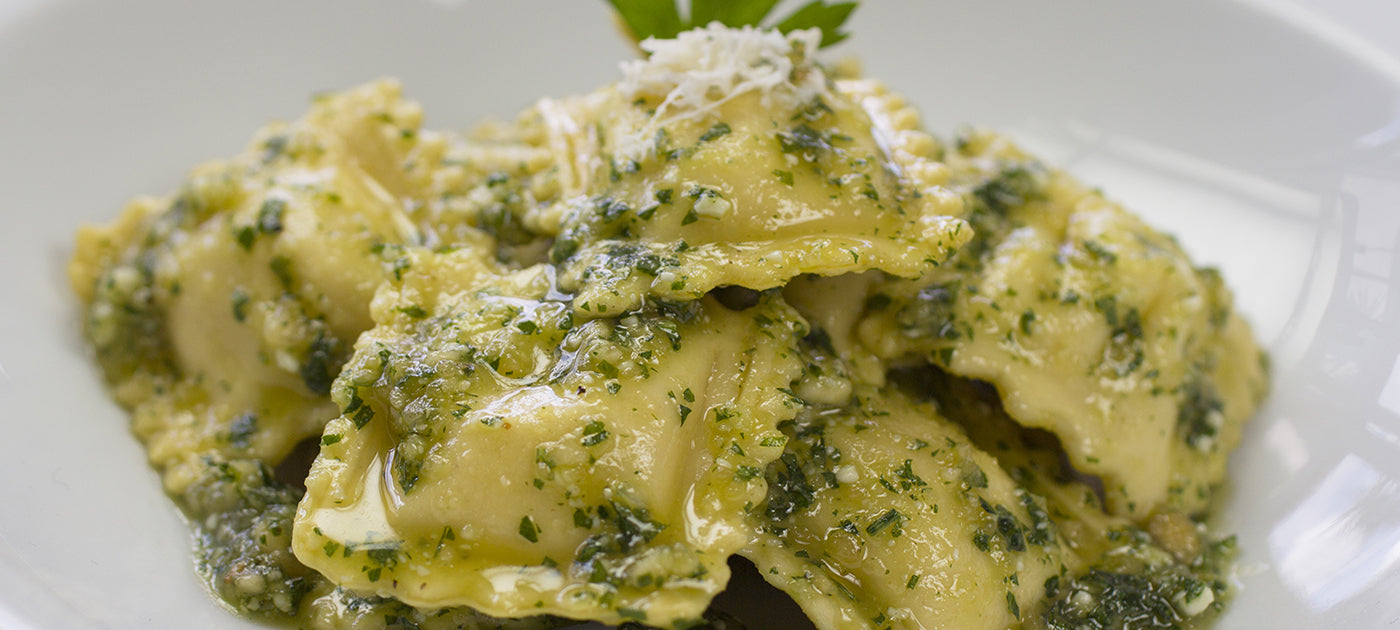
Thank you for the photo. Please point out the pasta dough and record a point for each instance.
(1092, 325)
(497, 453)
(221, 315)
(756, 189)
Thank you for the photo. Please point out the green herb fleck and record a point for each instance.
(719, 130)
(241, 430)
(245, 237)
(240, 305)
(362, 417)
(1027, 318)
(890, 519)
(907, 479)
(281, 267)
(270, 216)
(594, 433)
(414, 311)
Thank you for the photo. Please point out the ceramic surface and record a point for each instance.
(1266, 140)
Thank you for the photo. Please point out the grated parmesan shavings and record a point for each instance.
(702, 69)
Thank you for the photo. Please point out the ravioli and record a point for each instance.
(1164, 571)
(742, 166)
(1091, 324)
(496, 452)
(882, 514)
(221, 315)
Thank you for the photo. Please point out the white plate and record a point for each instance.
(1271, 149)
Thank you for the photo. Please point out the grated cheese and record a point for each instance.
(702, 69)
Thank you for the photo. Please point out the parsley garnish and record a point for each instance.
(662, 18)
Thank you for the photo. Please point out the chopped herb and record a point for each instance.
(907, 479)
(789, 491)
(889, 519)
(1011, 530)
(1100, 252)
(1199, 418)
(245, 236)
(414, 311)
(273, 147)
(383, 556)
(407, 470)
(270, 216)
(240, 305)
(362, 417)
(1107, 599)
(719, 130)
(805, 142)
(1126, 349)
(281, 267)
(1041, 531)
(529, 530)
(1011, 188)
(973, 476)
(932, 312)
(241, 430)
(322, 363)
(594, 433)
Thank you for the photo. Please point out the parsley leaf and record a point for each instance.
(650, 18)
(662, 18)
(730, 12)
(819, 14)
